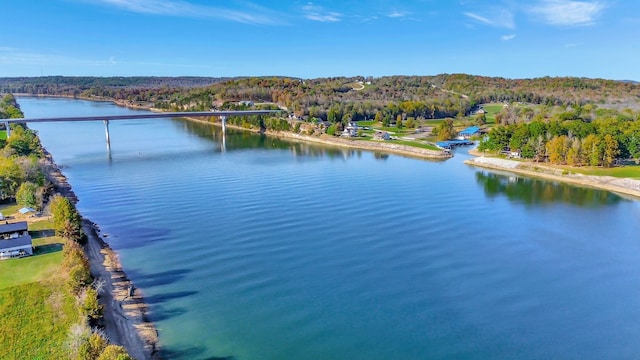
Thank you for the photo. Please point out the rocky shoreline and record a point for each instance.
(126, 316)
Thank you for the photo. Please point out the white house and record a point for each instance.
(351, 130)
(15, 240)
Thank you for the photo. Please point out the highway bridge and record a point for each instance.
(106, 118)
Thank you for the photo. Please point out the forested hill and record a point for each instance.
(61, 85)
(546, 90)
(419, 96)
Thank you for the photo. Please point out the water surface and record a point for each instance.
(267, 249)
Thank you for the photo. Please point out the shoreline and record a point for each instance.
(339, 142)
(624, 186)
(126, 315)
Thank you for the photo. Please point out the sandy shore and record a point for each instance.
(618, 185)
(125, 313)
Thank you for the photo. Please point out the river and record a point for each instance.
(268, 249)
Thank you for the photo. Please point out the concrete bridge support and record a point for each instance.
(224, 124)
(6, 124)
(106, 130)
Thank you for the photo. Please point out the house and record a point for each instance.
(381, 135)
(15, 240)
(467, 133)
(350, 130)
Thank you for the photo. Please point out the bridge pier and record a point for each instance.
(224, 124)
(6, 124)
(106, 130)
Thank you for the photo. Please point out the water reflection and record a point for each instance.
(241, 140)
(536, 191)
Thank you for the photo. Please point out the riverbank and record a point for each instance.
(328, 140)
(609, 183)
(126, 319)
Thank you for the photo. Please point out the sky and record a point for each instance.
(323, 38)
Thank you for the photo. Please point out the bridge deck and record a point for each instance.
(142, 116)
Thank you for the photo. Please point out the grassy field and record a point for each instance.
(36, 318)
(3, 135)
(629, 171)
(36, 306)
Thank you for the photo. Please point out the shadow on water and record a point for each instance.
(160, 298)
(138, 237)
(191, 353)
(159, 279)
(162, 314)
(536, 191)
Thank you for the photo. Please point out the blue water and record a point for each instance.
(266, 249)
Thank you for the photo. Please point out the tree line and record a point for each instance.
(572, 142)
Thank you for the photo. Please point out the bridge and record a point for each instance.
(106, 118)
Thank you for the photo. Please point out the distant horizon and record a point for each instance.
(320, 77)
(318, 39)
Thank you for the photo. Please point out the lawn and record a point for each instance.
(29, 269)
(36, 318)
(3, 134)
(36, 306)
(10, 209)
(629, 171)
(42, 265)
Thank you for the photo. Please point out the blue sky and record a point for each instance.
(323, 38)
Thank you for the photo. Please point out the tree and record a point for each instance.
(26, 195)
(90, 305)
(557, 149)
(92, 347)
(444, 130)
(114, 352)
(399, 121)
(331, 130)
(480, 119)
(410, 123)
(591, 150)
(66, 219)
(610, 150)
(574, 154)
(378, 117)
(10, 177)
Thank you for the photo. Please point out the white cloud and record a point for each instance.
(181, 8)
(318, 13)
(502, 18)
(397, 14)
(508, 37)
(568, 12)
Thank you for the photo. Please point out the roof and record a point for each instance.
(19, 241)
(25, 210)
(13, 227)
(470, 130)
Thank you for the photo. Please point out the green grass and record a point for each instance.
(29, 269)
(3, 134)
(367, 123)
(416, 144)
(629, 171)
(36, 306)
(36, 318)
(10, 209)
